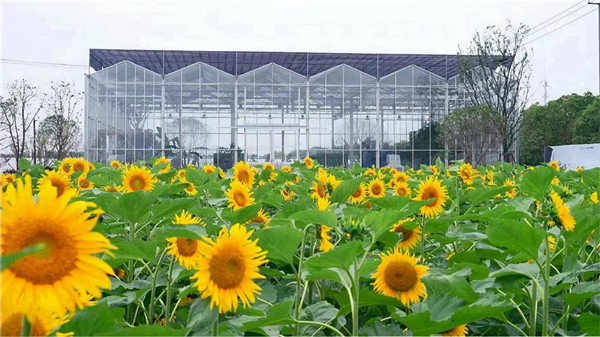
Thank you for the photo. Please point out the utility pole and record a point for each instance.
(597, 3)
(545, 85)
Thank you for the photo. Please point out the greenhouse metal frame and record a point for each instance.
(221, 107)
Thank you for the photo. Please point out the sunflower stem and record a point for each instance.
(153, 289)
(325, 325)
(533, 311)
(546, 309)
(169, 281)
(299, 277)
(356, 282)
(26, 327)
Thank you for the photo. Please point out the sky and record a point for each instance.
(63, 32)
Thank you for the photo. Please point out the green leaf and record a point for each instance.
(280, 242)
(536, 183)
(340, 257)
(169, 207)
(581, 292)
(422, 325)
(530, 270)
(195, 176)
(136, 249)
(95, 320)
(442, 307)
(345, 190)
(202, 317)
(516, 235)
(366, 298)
(243, 215)
(147, 330)
(482, 194)
(24, 164)
(321, 311)
(132, 206)
(590, 324)
(485, 307)
(449, 284)
(314, 216)
(179, 231)
(279, 314)
(8, 259)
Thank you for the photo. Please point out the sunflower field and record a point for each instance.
(149, 249)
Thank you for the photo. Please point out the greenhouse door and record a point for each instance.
(276, 144)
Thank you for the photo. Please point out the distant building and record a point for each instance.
(198, 106)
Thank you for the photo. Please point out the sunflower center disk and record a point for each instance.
(137, 183)
(243, 176)
(239, 198)
(60, 188)
(376, 189)
(400, 276)
(227, 268)
(187, 247)
(406, 233)
(51, 264)
(357, 194)
(428, 194)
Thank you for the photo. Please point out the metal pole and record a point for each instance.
(34, 143)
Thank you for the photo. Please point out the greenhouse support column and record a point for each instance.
(180, 134)
(86, 114)
(379, 119)
(234, 120)
(162, 116)
(306, 106)
(446, 98)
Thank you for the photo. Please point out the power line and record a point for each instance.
(559, 27)
(51, 64)
(561, 15)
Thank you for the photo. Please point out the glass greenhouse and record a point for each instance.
(220, 107)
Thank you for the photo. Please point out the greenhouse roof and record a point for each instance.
(307, 64)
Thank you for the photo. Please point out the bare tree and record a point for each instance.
(495, 71)
(470, 129)
(363, 130)
(17, 114)
(59, 133)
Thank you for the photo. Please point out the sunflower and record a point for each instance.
(399, 276)
(555, 181)
(181, 174)
(579, 169)
(112, 189)
(377, 188)
(7, 178)
(554, 165)
(433, 170)
(273, 176)
(84, 183)
(371, 172)
(287, 192)
(261, 217)
(432, 188)
(209, 169)
(243, 173)
(138, 179)
(402, 189)
(286, 169)
(398, 178)
(563, 212)
(66, 166)
(308, 162)
(358, 195)
(513, 191)
(334, 182)
(222, 173)
(116, 164)
(489, 176)
(594, 197)
(319, 190)
(458, 331)
(185, 250)
(325, 244)
(323, 203)
(239, 195)
(228, 267)
(163, 161)
(466, 173)
(66, 266)
(410, 237)
(190, 189)
(268, 166)
(80, 165)
(42, 324)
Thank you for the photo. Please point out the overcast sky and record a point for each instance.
(63, 32)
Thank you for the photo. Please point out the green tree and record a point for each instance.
(587, 127)
(555, 124)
